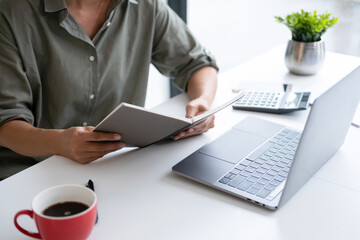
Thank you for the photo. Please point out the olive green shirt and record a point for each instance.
(54, 76)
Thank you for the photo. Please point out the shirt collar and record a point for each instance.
(114, 4)
(57, 5)
(54, 5)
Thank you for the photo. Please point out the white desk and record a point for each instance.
(140, 198)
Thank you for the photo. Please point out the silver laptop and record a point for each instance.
(267, 163)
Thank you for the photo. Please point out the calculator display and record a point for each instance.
(292, 100)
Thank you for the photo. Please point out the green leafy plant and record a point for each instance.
(307, 26)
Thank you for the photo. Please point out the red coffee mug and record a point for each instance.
(77, 226)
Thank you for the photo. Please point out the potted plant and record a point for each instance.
(305, 52)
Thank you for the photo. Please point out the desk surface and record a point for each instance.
(140, 198)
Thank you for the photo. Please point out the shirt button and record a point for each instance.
(108, 24)
(92, 96)
(84, 124)
(91, 58)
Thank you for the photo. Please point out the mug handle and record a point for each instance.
(31, 215)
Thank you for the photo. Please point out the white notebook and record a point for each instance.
(140, 127)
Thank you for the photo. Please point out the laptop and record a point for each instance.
(267, 163)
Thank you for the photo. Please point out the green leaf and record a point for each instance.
(307, 26)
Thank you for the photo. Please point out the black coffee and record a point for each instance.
(65, 209)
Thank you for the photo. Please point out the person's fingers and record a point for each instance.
(101, 136)
(196, 107)
(95, 151)
(87, 134)
(191, 110)
(179, 136)
(201, 128)
(87, 128)
(103, 146)
(83, 145)
(197, 129)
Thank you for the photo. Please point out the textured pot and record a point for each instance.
(304, 58)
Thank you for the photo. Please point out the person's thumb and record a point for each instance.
(191, 110)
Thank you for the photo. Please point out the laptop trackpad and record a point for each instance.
(233, 146)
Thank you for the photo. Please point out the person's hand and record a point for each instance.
(193, 108)
(83, 145)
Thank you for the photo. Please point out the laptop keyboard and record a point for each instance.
(263, 172)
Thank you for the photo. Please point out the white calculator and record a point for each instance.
(273, 102)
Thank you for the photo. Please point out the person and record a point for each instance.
(66, 64)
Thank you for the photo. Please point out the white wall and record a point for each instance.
(158, 88)
(236, 31)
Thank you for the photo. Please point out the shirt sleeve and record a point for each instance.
(176, 52)
(15, 89)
